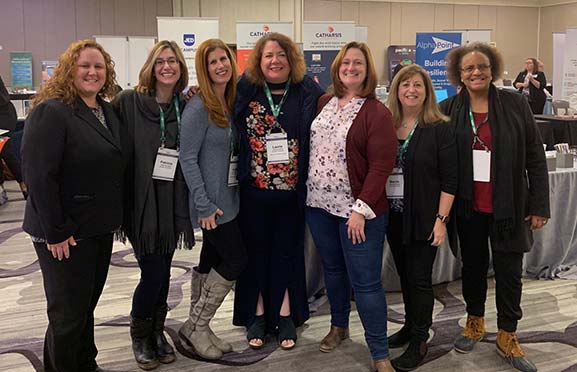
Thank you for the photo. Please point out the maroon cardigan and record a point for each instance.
(371, 151)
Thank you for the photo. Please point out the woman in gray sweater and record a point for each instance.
(208, 158)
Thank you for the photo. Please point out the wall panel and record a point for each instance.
(444, 14)
(466, 17)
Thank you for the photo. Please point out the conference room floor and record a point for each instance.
(548, 329)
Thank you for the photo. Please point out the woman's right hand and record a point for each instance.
(209, 223)
(192, 91)
(62, 249)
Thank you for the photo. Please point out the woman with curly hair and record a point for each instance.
(275, 105)
(502, 193)
(73, 163)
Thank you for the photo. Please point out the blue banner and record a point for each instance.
(318, 64)
(21, 70)
(432, 48)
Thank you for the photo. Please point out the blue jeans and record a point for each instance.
(359, 265)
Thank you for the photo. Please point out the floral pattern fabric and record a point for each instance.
(283, 176)
(328, 185)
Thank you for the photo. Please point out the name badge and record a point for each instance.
(232, 170)
(165, 164)
(277, 148)
(481, 166)
(396, 184)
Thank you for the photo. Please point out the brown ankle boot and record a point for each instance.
(383, 365)
(473, 333)
(333, 339)
(509, 348)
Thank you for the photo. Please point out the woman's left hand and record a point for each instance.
(356, 228)
(536, 222)
(438, 234)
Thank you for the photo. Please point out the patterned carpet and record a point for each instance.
(548, 330)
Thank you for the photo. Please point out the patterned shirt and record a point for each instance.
(281, 176)
(328, 185)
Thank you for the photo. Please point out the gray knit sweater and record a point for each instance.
(204, 159)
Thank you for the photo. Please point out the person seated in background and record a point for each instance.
(8, 120)
(531, 83)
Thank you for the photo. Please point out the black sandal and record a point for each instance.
(286, 332)
(257, 330)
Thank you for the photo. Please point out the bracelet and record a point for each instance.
(444, 219)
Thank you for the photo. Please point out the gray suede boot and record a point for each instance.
(196, 282)
(198, 333)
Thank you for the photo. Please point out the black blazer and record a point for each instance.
(430, 167)
(74, 168)
(7, 111)
(537, 97)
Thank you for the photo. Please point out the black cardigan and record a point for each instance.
(537, 97)
(430, 167)
(528, 168)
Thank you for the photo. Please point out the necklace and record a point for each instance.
(404, 125)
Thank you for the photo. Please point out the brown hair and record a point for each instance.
(456, 55)
(295, 58)
(207, 94)
(430, 113)
(146, 78)
(370, 83)
(535, 65)
(61, 86)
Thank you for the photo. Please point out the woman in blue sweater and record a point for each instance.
(208, 160)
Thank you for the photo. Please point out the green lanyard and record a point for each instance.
(276, 108)
(163, 125)
(474, 127)
(405, 145)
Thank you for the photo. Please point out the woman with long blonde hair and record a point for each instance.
(208, 160)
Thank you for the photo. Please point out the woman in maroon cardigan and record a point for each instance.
(352, 152)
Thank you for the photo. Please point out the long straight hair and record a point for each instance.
(146, 78)
(430, 114)
(216, 112)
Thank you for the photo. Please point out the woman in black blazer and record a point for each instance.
(73, 164)
(531, 83)
(421, 191)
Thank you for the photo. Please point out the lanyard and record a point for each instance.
(474, 127)
(405, 145)
(276, 108)
(163, 125)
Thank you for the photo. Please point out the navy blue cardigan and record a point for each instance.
(308, 92)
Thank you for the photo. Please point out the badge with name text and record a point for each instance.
(232, 170)
(396, 184)
(165, 164)
(277, 148)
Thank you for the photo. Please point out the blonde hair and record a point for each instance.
(370, 83)
(430, 114)
(215, 111)
(61, 84)
(146, 78)
(295, 58)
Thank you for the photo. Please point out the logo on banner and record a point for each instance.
(266, 28)
(188, 39)
(442, 45)
(331, 33)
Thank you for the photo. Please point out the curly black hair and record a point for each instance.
(456, 55)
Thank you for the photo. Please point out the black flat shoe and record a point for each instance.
(257, 330)
(286, 332)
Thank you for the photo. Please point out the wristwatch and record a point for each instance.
(444, 219)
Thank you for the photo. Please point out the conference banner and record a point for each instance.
(21, 70)
(558, 62)
(248, 33)
(432, 48)
(321, 44)
(399, 55)
(570, 68)
(189, 33)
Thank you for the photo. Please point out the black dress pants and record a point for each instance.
(414, 263)
(474, 235)
(73, 287)
(223, 250)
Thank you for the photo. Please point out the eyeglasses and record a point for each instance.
(469, 69)
(171, 62)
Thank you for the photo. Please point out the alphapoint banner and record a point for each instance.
(432, 48)
(188, 33)
(321, 44)
(248, 33)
